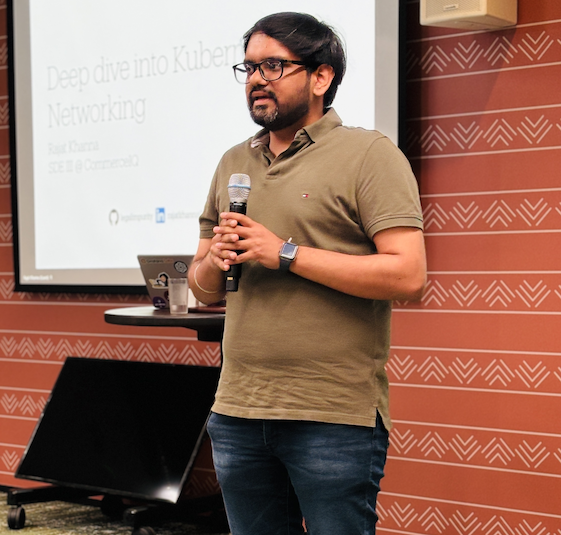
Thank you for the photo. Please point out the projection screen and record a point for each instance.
(120, 111)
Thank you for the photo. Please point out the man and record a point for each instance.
(333, 233)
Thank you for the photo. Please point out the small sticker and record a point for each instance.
(180, 267)
(159, 302)
(161, 281)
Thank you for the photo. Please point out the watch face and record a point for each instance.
(288, 251)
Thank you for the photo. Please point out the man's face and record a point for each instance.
(284, 102)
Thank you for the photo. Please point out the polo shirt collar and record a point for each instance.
(317, 130)
(312, 132)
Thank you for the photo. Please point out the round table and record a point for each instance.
(209, 325)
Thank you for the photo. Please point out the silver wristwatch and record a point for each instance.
(287, 254)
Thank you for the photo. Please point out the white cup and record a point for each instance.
(178, 295)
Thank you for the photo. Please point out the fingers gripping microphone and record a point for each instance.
(239, 187)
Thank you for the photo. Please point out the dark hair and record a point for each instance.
(314, 42)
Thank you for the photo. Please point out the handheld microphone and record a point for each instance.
(239, 187)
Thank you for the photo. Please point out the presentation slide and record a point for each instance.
(123, 110)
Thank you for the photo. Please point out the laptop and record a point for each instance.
(157, 270)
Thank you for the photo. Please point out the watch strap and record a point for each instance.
(284, 264)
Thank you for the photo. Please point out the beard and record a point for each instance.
(280, 116)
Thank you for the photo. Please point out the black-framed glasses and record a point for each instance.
(271, 69)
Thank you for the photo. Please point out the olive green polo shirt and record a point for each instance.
(294, 349)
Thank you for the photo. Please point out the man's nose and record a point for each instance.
(256, 78)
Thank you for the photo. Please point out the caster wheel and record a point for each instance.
(145, 530)
(16, 517)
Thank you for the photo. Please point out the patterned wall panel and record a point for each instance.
(408, 514)
(472, 66)
(37, 347)
(494, 211)
(475, 367)
(488, 291)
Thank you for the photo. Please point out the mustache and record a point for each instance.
(261, 92)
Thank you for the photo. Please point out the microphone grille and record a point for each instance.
(239, 187)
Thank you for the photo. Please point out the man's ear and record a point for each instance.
(323, 76)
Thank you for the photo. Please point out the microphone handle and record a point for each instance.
(235, 272)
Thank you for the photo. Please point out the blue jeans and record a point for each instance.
(275, 472)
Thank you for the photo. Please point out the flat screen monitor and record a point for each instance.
(129, 429)
(122, 109)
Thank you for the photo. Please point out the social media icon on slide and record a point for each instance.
(160, 215)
